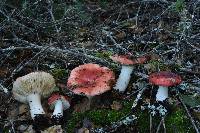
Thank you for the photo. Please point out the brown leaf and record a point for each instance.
(116, 105)
(53, 129)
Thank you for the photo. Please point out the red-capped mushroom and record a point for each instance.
(164, 79)
(127, 68)
(59, 103)
(90, 80)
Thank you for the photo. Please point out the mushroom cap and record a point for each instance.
(42, 83)
(90, 79)
(128, 60)
(165, 78)
(55, 96)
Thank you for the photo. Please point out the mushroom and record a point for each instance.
(90, 80)
(31, 88)
(164, 79)
(59, 103)
(126, 70)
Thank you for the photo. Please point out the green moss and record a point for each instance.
(178, 121)
(99, 117)
(179, 5)
(156, 65)
(103, 4)
(59, 73)
(59, 11)
(104, 54)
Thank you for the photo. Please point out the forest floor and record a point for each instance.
(56, 36)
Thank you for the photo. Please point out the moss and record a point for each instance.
(103, 4)
(59, 73)
(155, 65)
(100, 117)
(175, 121)
(59, 11)
(104, 54)
(179, 5)
(143, 122)
(178, 121)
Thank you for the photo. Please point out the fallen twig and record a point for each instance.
(64, 53)
(189, 115)
(3, 88)
(138, 97)
(115, 125)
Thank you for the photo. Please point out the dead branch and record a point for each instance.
(189, 115)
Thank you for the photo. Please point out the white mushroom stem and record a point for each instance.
(162, 93)
(58, 110)
(90, 100)
(35, 104)
(124, 78)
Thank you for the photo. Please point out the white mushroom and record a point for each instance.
(126, 70)
(58, 103)
(31, 88)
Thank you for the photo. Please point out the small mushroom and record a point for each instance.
(31, 88)
(90, 80)
(126, 70)
(58, 103)
(164, 79)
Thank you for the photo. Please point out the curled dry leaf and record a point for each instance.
(53, 129)
(116, 105)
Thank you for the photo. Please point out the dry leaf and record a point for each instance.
(53, 129)
(116, 105)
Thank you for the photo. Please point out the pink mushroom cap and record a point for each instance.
(128, 60)
(90, 79)
(55, 96)
(165, 78)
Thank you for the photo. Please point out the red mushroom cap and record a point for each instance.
(127, 59)
(165, 78)
(90, 79)
(55, 96)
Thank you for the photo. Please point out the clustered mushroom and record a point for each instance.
(87, 79)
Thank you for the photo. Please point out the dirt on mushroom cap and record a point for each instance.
(165, 78)
(90, 79)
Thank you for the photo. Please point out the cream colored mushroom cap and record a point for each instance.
(42, 83)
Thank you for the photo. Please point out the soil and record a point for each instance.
(57, 36)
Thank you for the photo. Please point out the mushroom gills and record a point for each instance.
(162, 93)
(124, 78)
